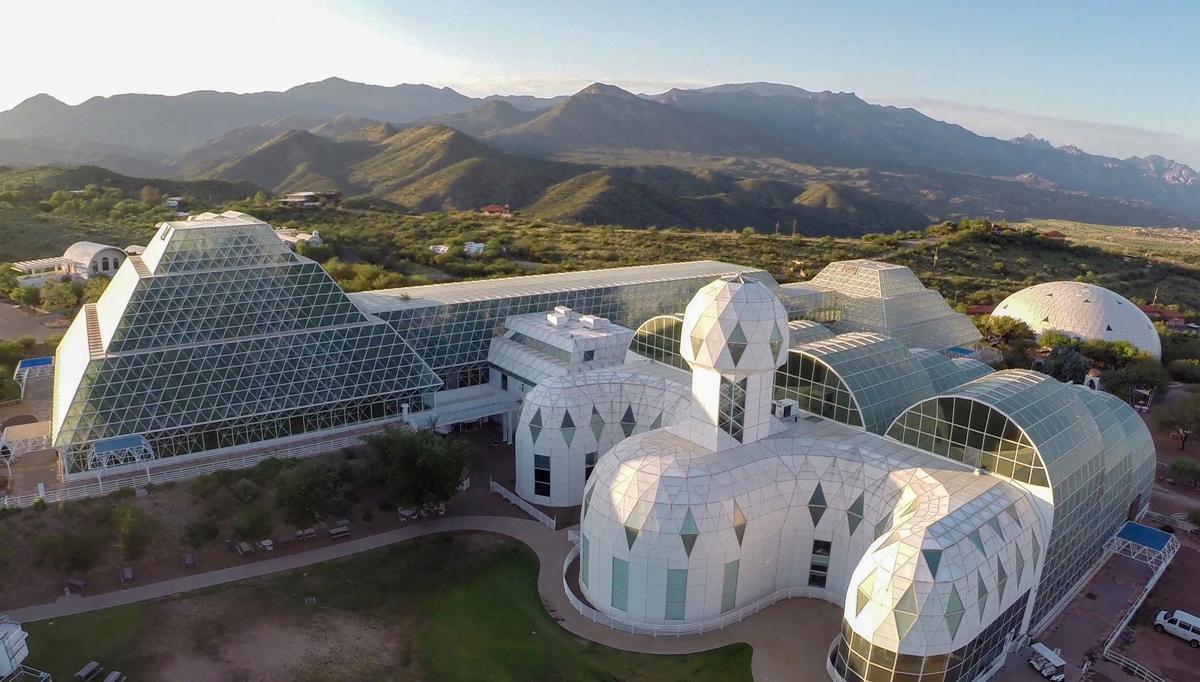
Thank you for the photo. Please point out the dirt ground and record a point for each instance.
(218, 643)
(174, 506)
(1168, 655)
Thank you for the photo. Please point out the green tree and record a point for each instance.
(1185, 370)
(134, 529)
(95, 286)
(419, 469)
(58, 296)
(26, 295)
(253, 524)
(201, 532)
(1180, 416)
(1067, 365)
(1185, 470)
(999, 330)
(8, 277)
(1142, 374)
(303, 493)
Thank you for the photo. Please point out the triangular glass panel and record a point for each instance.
(854, 514)
(597, 423)
(865, 588)
(983, 595)
(776, 341)
(904, 621)
(657, 423)
(631, 535)
(688, 532)
(973, 536)
(953, 620)
(1001, 579)
(933, 557)
(628, 422)
(697, 344)
(994, 522)
(535, 426)
(1020, 567)
(1037, 548)
(735, 351)
(587, 501)
(568, 428)
(816, 505)
(739, 523)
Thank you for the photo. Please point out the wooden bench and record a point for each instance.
(115, 676)
(339, 532)
(89, 672)
(126, 575)
(76, 584)
(306, 534)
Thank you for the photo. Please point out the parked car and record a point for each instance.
(1182, 624)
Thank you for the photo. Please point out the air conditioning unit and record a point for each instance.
(785, 408)
(593, 322)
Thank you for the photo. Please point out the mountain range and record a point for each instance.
(720, 157)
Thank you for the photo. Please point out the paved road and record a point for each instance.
(789, 638)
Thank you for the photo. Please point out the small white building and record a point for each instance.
(439, 249)
(293, 238)
(80, 261)
(473, 249)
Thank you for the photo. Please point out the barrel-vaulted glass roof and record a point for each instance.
(880, 375)
(946, 373)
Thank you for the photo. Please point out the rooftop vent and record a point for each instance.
(593, 322)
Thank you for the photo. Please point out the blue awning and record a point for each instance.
(1145, 536)
(30, 363)
(119, 443)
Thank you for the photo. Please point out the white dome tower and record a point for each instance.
(734, 337)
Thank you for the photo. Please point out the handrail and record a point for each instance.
(537, 514)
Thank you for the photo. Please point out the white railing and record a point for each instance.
(80, 491)
(1133, 667)
(676, 629)
(573, 536)
(1178, 521)
(547, 521)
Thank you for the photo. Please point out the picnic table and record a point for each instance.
(244, 548)
(76, 584)
(339, 532)
(407, 514)
(267, 545)
(89, 671)
(189, 559)
(306, 534)
(115, 676)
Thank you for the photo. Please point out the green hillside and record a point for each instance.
(439, 168)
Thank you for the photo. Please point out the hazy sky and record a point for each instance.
(1132, 66)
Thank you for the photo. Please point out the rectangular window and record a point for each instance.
(620, 584)
(729, 586)
(676, 593)
(589, 463)
(818, 571)
(503, 381)
(583, 560)
(541, 475)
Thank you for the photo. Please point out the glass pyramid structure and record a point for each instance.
(219, 336)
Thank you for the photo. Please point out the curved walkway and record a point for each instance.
(789, 638)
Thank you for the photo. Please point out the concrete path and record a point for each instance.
(789, 638)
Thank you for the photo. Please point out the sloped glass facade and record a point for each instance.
(230, 339)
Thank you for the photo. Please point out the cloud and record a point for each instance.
(1109, 139)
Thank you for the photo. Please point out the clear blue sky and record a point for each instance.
(1129, 63)
(1135, 63)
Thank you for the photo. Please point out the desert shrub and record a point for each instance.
(71, 549)
(204, 487)
(123, 494)
(1185, 470)
(134, 530)
(305, 493)
(245, 491)
(1185, 370)
(39, 504)
(200, 532)
(254, 523)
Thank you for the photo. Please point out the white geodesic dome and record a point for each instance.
(1083, 310)
(736, 326)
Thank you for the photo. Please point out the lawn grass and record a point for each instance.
(460, 606)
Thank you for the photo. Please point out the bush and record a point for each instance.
(419, 469)
(1185, 370)
(1185, 470)
(1193, 517)
(204, 487)
(135, 529)
(71, 550)
(39, 504)
(305, 493)
(254, 523)
(245, 490)
(200, 532)
(1145, 374)
(265, 472)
